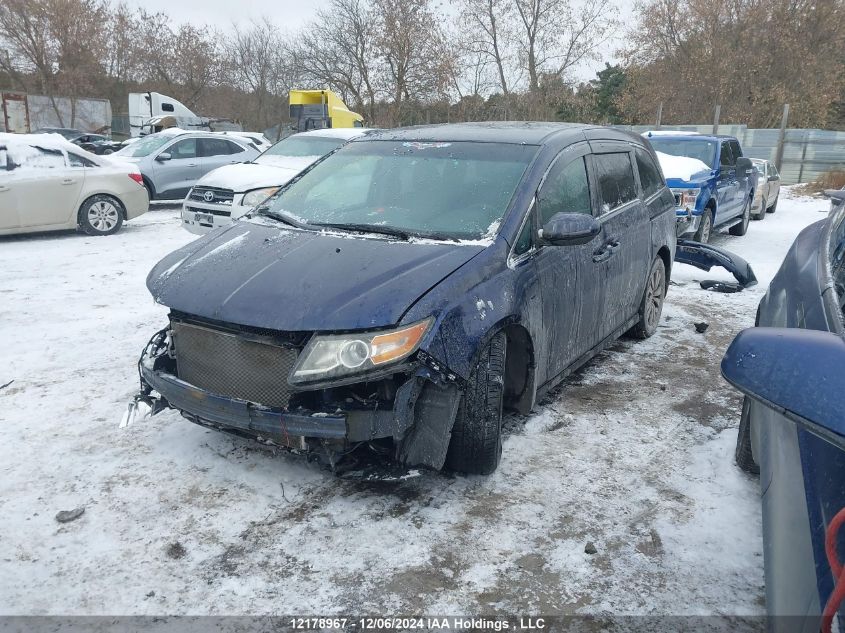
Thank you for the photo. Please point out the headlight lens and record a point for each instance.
(343, 354)
(257, 196)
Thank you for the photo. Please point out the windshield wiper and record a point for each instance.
(281, 216)
(366, 228)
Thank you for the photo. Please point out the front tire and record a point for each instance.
(476, 444)
(705, 227)
(743, 456)
(101, 215)
(651, 306)
(740, 229)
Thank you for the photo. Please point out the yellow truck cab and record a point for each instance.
(319, 109)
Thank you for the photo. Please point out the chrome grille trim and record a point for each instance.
(229, 365)
(221, 196)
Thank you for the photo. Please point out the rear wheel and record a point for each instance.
(476, 444)
(705, 226)
(743, 456)
(740, 229)
(761, 214)
(774, 207)
(651, 305)
(101, 215)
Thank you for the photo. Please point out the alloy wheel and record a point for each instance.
(103, 216)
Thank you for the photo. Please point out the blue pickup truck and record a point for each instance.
(712, 181)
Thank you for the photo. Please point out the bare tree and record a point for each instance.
(337, 50)
(556, 35)
(490, 28)
(412, 47)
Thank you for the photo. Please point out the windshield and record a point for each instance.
(700, 149)
(457, 190)
(305, 146)
(144, 147)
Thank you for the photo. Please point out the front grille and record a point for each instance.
(221, 212)
(212, 195)
(233, 366)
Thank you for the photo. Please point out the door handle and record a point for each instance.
(192, 164)
(3, 188)
(606, 251)
(68, 181)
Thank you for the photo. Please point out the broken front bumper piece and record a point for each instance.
(419, 419)
(705, 256)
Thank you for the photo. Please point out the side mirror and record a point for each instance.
(773, 178)
(164, 156)
(798, 373)
(570, 229)
(744, 164)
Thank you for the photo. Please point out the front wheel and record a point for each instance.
(651, 305)
(101, 215)
(705, 226)
(740, 229)
(476, 444)
(743, 456)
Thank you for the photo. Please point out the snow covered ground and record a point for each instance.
(633, 454)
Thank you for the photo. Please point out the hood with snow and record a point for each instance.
(287, 279)
(683, 168)
(266, 171)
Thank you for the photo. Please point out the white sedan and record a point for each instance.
(49, 184)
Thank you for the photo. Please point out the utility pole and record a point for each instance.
(782, 137)
(659, 116)
(716, 119)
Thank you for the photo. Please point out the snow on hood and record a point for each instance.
(241, 177)
(22, 149)
(288, 162)
(681, 167)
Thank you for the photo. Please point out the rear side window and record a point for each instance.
(565, 190)
(79, 161)
(218, 147)
(650, 177)
(616, 180)
(736, 150)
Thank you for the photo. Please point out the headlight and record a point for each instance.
(257, 196)
(687, 197)
(343, 354)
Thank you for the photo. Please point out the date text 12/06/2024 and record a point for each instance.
(453, 623)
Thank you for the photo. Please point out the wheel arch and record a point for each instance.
(665, 254)
(520, 373)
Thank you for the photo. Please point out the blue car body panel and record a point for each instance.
(559, 305)
(723, 188)
(802, 476)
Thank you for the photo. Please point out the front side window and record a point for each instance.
(183, 149)
(616, 180)
(650, 177)
(458, 190)
(565, 190)
(144, 147)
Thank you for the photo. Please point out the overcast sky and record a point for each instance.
(291, 14)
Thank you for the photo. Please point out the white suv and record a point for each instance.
(229, 192)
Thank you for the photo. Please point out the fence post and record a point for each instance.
(716, 119)
(782, 137)
(659, 115)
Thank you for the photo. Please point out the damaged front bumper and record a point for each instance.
(418, 420)
(686, 222)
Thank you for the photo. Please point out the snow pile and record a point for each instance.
(681, 167)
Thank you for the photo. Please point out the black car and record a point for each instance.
(406, 288)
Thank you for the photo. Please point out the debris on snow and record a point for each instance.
(590, 548)
(66, 516)
(701, 328)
